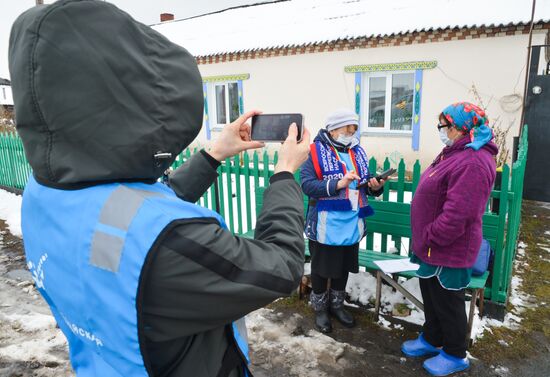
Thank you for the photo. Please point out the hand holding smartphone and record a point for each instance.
(274, 127)
(385, 174)
(382, 176)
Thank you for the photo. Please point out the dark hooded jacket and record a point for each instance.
(102, 98)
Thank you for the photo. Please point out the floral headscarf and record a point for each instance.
(468, 117)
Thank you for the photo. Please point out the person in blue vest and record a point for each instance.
(141, 281)
(337, 180)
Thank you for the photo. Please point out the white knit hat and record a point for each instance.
(341, 118)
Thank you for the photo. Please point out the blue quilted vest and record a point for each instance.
(86, 250)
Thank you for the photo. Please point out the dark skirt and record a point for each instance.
(330, 261)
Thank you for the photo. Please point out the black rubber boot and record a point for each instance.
(319, 302)
(337, 308)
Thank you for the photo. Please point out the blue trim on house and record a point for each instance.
(416, 109)
(357, 90)
(241, 104)
(206, 117)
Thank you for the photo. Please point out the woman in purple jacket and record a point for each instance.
(446, 220)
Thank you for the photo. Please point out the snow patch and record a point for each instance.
(35, 349)
(31, 323)
(10, 211)
(282, 342)
(362, 288)
(307, 269)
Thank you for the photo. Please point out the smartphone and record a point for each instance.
(274, 127)
(384, 175)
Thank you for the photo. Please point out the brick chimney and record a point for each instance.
(166, 17)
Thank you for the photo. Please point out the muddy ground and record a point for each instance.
(284, 342)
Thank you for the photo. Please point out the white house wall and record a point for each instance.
(315, 85)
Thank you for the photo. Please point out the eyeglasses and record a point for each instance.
(440, 126)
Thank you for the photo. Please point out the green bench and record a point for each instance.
(393, 219)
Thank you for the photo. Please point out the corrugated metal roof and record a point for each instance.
(301, 22)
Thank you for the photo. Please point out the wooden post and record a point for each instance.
(378, 294)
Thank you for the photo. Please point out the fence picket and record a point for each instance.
(227, 169)
(498, 265)
(247, 186)
(237, 163)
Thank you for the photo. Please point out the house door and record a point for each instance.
(537, 117)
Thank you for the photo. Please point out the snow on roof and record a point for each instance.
(282, 24)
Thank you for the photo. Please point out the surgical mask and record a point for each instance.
(444, 138)
(345, 140)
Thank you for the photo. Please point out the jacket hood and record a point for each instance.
(97, 94)
(491, 147)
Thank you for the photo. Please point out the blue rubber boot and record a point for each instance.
(418, 347)
(445, 364)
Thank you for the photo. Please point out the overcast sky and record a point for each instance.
(146, 11)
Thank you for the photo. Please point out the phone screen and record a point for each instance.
(274, 127)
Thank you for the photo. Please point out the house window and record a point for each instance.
(4, 93)
(224, 101)
(388, 101)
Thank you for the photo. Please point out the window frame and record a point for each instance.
(212, 103)
(364, 109)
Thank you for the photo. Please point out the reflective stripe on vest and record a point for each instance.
(86, 249)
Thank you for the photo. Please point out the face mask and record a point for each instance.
(444, 138)
(345, 140)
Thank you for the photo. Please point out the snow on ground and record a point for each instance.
(28, 332)
(518, 299)
(278, 342)
(10, 211)
(362, 288)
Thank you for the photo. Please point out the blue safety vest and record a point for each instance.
(86, 250)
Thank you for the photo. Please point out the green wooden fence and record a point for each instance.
(240, 178)
(14, 169)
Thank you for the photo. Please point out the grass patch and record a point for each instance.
(534, 270)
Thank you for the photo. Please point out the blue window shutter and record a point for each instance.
(357, 90)
(241, 104)
(206, 117)
(416, 109)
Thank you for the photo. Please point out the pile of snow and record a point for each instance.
(282, 342)
(32, 337)
(10, 211)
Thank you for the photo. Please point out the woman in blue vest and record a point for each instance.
(337, 180)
